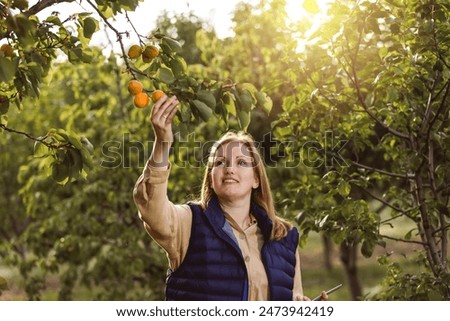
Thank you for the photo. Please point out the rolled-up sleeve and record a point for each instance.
(168, 224)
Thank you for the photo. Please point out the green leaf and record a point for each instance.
(54, 20)
(185, 112)
(129, 5)
(370, 99)
(207, 97)
(7, 70)
(75, 161)
(408, 235)
(86, 157)
(73, 138)
(246, 86)
(90, 26)
(245, 101)
(178, 66)
(222, 111)
(40, 150)
(172, 43)
(244, 119)
(106, 10)
(264, 101)
(60, 172)
(344, 188)
(4, 105)
(367, 248)
(26, 29)
(87, 144)
(323, 221)
(165, 75)
(203, 109)
(4, 120)
(75, 54)
(230, 105)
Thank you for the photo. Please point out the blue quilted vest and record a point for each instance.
(214, 269)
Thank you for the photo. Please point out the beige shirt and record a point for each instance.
(170, 226)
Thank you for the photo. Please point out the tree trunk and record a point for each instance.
(349, 256)
(327, 252)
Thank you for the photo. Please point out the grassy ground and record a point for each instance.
(317, 278)
(314, 274)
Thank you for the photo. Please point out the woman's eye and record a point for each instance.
(243, 163)
(218, 163)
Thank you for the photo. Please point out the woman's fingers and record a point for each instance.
(164, 110)
(162, 116)
(172, 111)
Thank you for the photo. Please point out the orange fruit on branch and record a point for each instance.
(134, 51)
(135, 87)
(156, 95)
(150, 52)
(141, 100)
(7, 50)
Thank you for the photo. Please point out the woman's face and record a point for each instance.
(233, 176)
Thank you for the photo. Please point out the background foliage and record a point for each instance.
(353, 125)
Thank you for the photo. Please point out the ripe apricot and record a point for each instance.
(135, 87)
(149, 53)
(134, 52)
(141, 100)
(7, 50)
(156, 95)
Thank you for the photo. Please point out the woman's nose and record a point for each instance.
(229, 167)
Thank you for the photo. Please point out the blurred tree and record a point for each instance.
(183, 27)
(370, 118)
(85, 232)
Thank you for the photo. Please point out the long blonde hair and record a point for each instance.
(262, 195)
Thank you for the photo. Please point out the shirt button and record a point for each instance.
(247, 258)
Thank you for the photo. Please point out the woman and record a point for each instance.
(230, 245)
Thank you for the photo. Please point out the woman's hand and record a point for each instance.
(162, 116)
(323, 297)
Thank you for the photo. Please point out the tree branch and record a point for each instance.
(41, 5)
(406, 176)
(355, 80)
(427, 225)
(110, 26)
(402, 240)
(429, 104)
(440, 108)
(37, 139)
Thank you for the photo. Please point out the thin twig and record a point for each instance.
(403, 240)
(395, 208)
(37, 139)
(381, 171)
(110, 26)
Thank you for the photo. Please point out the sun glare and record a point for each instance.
(298, 10)
(311, 10)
